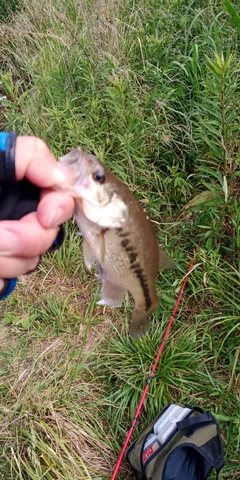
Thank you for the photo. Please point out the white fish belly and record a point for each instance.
(118, 266)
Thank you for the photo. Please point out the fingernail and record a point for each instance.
(55, 218)
(60, 174)
(8, 242)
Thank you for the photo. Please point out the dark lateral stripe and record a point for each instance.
(144, 285)
(122, 234)
(130, 249)
(136, 267)
(125, 243)
(133, 256)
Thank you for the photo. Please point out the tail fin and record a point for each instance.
(140, 322)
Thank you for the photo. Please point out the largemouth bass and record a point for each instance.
(118, 235)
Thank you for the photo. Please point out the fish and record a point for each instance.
(117, 235)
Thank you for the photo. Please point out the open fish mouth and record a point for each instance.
(80, 179)
(98, 197)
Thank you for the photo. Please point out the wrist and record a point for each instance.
(7, 287)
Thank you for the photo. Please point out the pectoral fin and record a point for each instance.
(102, 245)
(89, 258)
(166, 262)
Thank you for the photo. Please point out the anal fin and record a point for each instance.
(111, 294)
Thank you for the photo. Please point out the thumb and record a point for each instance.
(34, 161)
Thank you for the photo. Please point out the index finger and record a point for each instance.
(26, 237)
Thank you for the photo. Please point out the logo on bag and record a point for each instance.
(149, 452)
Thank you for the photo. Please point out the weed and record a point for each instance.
(152, 89)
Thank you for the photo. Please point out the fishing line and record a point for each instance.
(139, 408)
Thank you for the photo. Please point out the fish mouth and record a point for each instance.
(81, 182)
(78, 179)
(81, 177)
(83, 168)
(99, 199)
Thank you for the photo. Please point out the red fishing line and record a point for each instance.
(139, 408)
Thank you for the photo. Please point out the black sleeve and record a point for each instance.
(16, 198)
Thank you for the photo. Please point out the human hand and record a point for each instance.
(23, 241)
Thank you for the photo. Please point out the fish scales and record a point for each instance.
(130, 263)
(118, 236)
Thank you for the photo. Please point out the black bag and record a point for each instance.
(192, 449)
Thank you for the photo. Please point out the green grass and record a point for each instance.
(151, 88)
(6, 8)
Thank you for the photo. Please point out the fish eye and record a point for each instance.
(99, 177)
